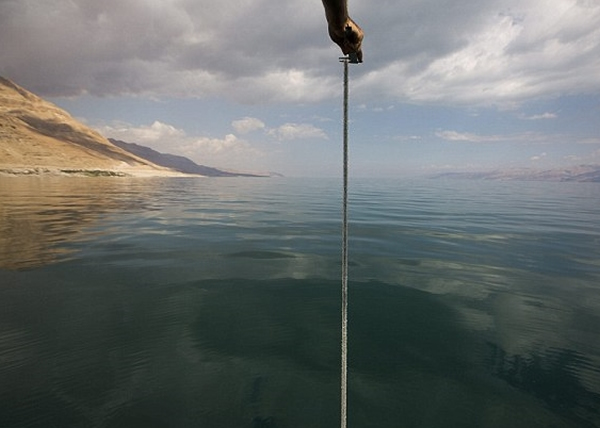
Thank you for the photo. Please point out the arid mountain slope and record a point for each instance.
(36, 135)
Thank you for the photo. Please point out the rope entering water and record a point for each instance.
(344, 363)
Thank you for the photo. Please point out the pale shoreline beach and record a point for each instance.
(28, 171)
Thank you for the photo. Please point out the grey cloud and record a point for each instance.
(419, 31)
(65, 48)
(278, 50)
(508, 52)
(62, 47)
(257, 37)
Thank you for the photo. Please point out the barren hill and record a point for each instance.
(37, 136)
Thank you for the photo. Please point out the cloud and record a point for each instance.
(247, 124)
(540, 116)
(403, 138)
(491, 138)
(215, 146)
(591, 158)
(227, 152)
(287, 131)
(295, 131)
(266, 51)
(468, 137)
(518, 51)
(185, 48)
(538, 157)
(589, 140)
(156, 132)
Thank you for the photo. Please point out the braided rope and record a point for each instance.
(344, 363)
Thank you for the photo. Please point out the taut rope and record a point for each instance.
(344, 363)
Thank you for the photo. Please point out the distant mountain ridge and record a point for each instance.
(175, 162)
(580, 173)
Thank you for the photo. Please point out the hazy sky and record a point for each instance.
(256, 84)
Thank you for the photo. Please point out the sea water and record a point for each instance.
(216, 303)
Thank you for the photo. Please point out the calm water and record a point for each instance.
(215, 303)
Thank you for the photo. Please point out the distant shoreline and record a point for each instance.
(580, 174)
(91, 172)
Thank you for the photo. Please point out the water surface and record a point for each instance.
(215, 303)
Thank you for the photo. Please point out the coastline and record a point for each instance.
(133, 172)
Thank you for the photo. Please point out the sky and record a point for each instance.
(256, 85)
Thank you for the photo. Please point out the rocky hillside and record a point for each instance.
(36, 136)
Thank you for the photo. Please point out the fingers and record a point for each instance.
(348, 38)
(353, 36)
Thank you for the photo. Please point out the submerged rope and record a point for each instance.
(344, 374)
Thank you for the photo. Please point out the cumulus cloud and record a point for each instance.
(247, 124)
(156, 132)
(546, 115)
(215, 146)
(228, 151)
(450, 135)
(295, 131)
(468, 137)
(261, 51)
(286, 131)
